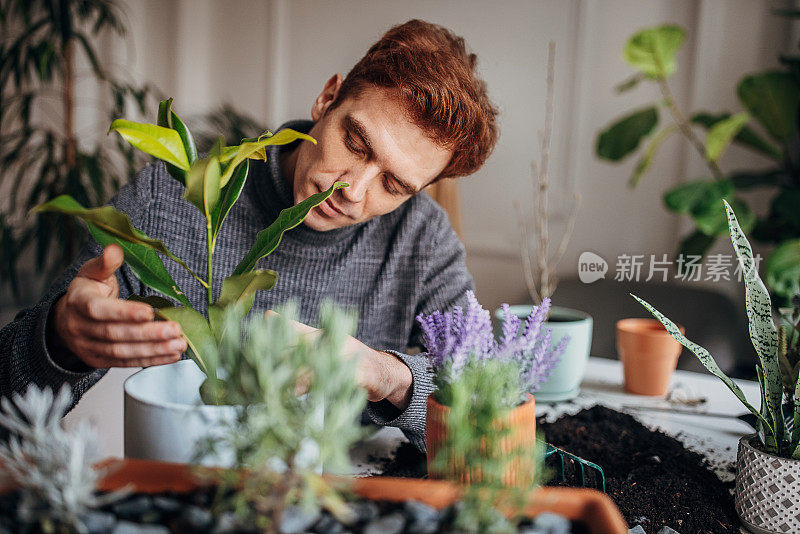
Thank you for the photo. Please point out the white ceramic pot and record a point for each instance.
(767, 490)
(165, 419)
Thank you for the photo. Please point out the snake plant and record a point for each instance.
(777, 435)
(212, 184)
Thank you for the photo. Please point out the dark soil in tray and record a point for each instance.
(654, 480)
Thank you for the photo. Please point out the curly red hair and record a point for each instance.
(435, 77)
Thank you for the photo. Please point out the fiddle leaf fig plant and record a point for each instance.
(768, 126)
(213, 184)
(776, 434)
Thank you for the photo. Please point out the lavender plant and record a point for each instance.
(52, 466)
(464, 337)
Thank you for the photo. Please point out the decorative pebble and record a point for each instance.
(549, 523)
(388, 524)
(328, 524)
(126, 527)
(422, 518)
(226, 524)
(364, 511)
(168, 505)
(296, 519)
(195, 519)
(133, 508)
(637, 530)
(97, 522)
(667, 530)
(654, 460)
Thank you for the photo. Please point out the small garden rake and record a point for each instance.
(580, 464)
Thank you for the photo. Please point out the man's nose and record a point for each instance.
(359, 178)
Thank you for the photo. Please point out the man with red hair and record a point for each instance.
(412, 111)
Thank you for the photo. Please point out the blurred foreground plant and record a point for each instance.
(297, 404)
(52, 467)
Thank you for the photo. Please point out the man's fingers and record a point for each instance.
(138, 332)
(134, 351)
(103, 363)
(103, 266)
(112, 309)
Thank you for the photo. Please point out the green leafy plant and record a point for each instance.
(773, 430)
(789, 347)
(476, 433)
(41, 158)
(52, 466)
(771, 100)
(213, 185)
(282, 439)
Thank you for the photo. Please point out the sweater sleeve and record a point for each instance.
(443, 286)
(26, 356)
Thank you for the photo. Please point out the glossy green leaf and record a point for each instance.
(722, 134)
(162, 143)
(169, 119)
(255, 149)
(652, 51)
(228, 196)
(763, 333)
(268, 239)
(111, 221)
(203, 185)
(772, 98)
(696, 244)
(746, 137)
(153, 300)
(624, 136)
(644, 163)
(782, 269)
(238, 293)
(197, 332)
(145, 264)
(696, 195)
(712, 219)
(703, 355)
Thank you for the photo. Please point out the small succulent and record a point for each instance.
(52, 466)
(454, 339)
(297, 402)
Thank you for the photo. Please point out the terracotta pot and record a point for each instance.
(649, 355)
(521, 421)
(590, 507)
(767, 489)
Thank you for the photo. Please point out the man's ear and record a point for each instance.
(326, 97)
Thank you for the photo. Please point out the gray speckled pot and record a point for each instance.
(767, 490)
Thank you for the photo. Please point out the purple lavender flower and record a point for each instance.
(465, 335)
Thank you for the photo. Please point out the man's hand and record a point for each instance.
(91, 322)
(383, 375)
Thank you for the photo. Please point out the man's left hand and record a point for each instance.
(382, 374)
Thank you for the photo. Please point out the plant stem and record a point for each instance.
(686, 128)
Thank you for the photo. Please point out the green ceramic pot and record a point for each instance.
(565, 380)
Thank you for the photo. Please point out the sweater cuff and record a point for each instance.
(411, 420)
(41, 358)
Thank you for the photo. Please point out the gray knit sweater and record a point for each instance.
(388, 269)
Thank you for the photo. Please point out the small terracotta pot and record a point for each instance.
(649, 355)
(520, 470)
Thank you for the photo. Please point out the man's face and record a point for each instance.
(369, 143)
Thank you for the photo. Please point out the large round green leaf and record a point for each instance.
(782, 269)
(772, 97)
(652, 51)
(692, 196)
(624, 136)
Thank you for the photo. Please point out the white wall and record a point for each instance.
(273, 57)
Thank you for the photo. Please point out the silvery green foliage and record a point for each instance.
(263, 369)
(773, 431)
(52, 466)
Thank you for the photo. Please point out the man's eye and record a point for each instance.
(352, 146)
(389, 186)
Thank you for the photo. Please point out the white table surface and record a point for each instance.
(713, 436)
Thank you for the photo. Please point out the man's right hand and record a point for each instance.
(92, 323)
